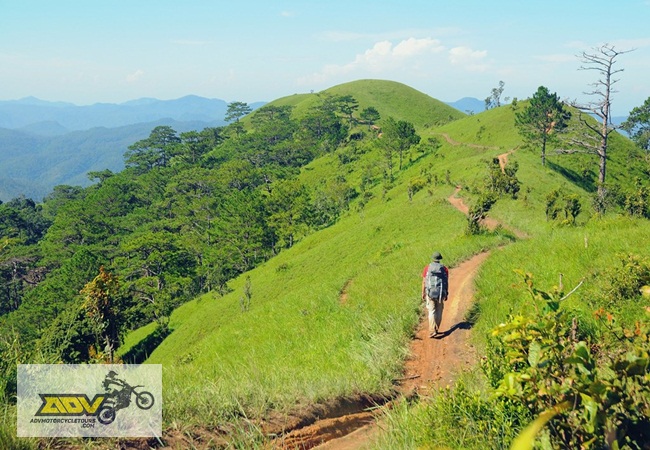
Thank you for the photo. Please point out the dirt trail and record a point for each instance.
(460, 205)
(433, 362)
(456, 143)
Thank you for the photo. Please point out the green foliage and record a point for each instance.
(236, 110)
(415, 185)
(638, 125)
(8, 438)
(572, 207)
(498, 182)
(101, 306)
(12, 355)
(637, 201)
(625, 280)
(542, 120)
(347, 105)
(478, 212)
(557, 201)
(548, 362)
(502, 181)
(370, 115)
(454, 417)
(398, 136)
(155, 151)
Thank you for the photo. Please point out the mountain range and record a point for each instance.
(44, 144)
(55, 118)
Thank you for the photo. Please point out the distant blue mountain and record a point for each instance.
(26, 112)
(468, 105)
(44, 144)
(47, 128)
(32, 163)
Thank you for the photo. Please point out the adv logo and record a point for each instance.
(69, 405)
(87, 398)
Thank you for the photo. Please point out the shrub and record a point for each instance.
(602, 395)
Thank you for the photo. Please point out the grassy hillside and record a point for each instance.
(333, 315)
(329, 317)
(389, 97)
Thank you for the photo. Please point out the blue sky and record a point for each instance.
(87, 51)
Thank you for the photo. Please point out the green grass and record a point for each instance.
(302, 341)
(389, 97)
(578, 253)
(8, 439)
(458, 417)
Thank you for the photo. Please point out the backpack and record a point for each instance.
(436, 283)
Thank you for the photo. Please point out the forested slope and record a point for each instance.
(275, 263)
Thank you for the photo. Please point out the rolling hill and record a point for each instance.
(332, 316)
(32, 164)
(330, 320)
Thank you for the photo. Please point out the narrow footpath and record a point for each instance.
(433, 364)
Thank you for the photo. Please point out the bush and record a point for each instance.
(626, 280)
(601, 391)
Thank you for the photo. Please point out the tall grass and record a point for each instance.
(333, 315)
(302, 340)
(458, 417)
(576, 254)
(8, 438)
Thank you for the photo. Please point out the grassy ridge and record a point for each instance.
(302, 341)
(389, 97)
(333, 315)
(464, 417)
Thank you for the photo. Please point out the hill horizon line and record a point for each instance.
(32, 100)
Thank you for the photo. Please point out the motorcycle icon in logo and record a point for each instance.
(119, 397)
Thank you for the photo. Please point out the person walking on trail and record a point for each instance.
(435, 290)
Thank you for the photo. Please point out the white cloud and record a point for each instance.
(381, 57)
(468, 59)
(415, 47)
(288, 14)
(135, 76)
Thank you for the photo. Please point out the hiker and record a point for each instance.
(435, 289)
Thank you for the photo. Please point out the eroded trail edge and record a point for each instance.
(432, 364)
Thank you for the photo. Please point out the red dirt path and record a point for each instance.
(433, 363)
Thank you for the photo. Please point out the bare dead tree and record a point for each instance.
(593, 139)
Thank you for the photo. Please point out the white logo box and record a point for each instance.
(89, 400)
